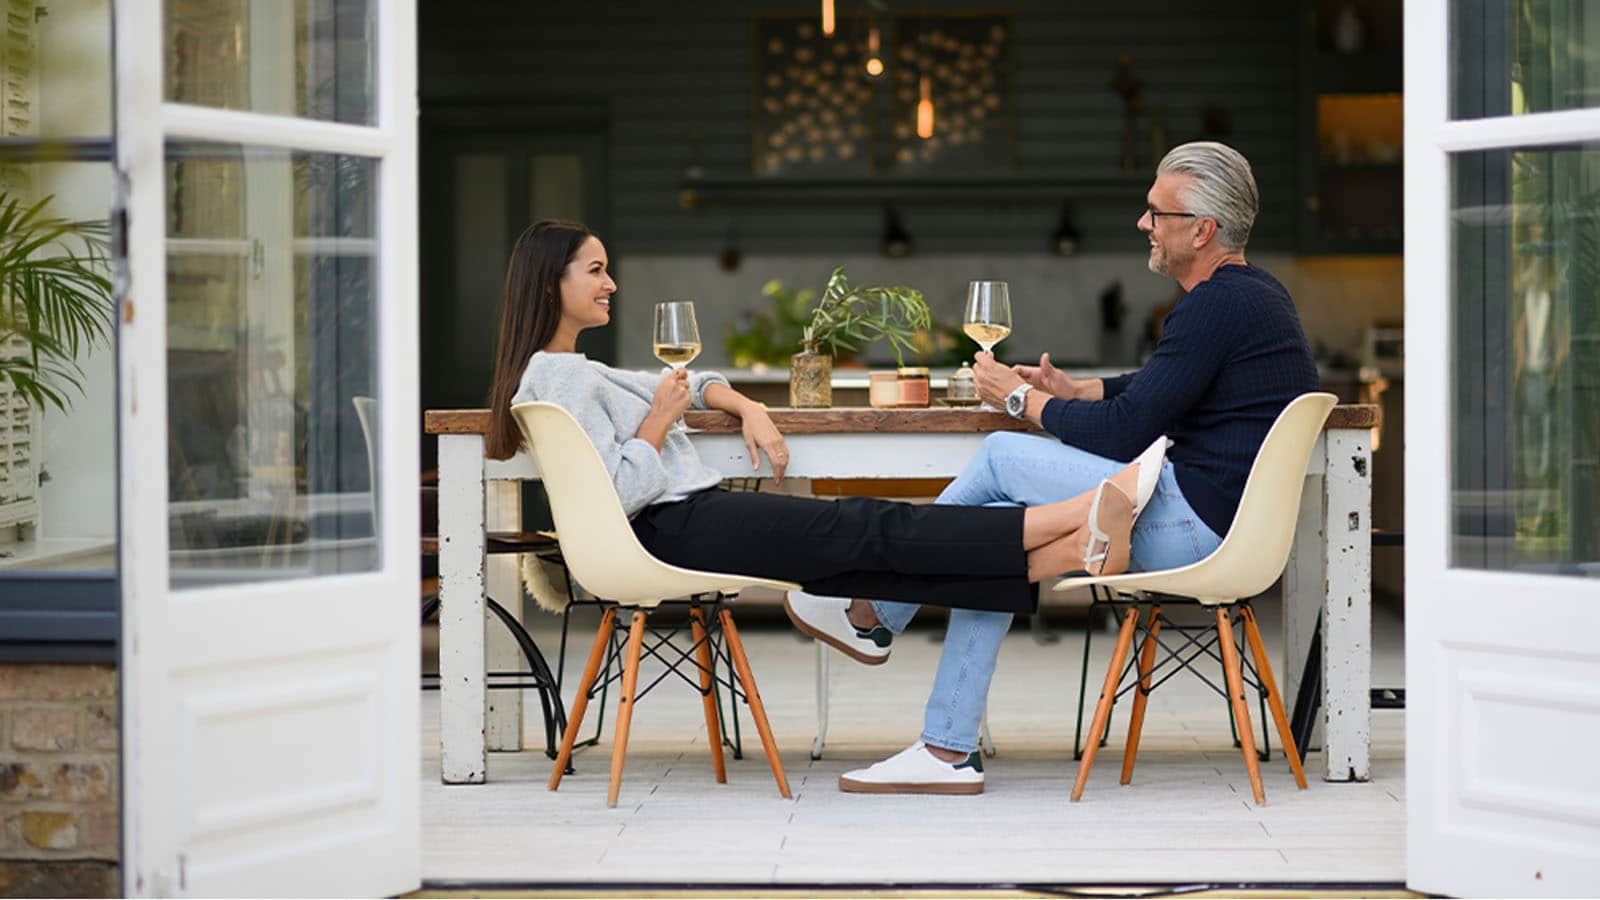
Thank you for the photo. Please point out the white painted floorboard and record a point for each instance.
(1187, 817)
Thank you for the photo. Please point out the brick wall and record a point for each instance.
(58, 780)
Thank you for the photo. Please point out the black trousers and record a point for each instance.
(961, 556)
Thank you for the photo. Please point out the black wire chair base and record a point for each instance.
(1198, 640)
(538, 677)
(661, 643)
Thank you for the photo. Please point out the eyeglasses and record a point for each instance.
(1154, 214)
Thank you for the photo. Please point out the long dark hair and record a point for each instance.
(529, 318)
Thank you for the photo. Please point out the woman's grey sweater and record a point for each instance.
(609, 404)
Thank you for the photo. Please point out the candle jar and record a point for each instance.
(963, 386)
(912, 385)
(883, 389)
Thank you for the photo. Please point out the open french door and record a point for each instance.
(268, 446)
(1503, 446)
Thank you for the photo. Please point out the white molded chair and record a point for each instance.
(605, 556)
(1250, 558)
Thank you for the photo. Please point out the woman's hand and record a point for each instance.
(761, 436)
(672, 398)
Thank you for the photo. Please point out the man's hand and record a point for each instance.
(672, 397)
(761, 436)
(995, 381)
(1048, 378)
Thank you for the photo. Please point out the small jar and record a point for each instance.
(912, 382)
(963, 385)
(883, 389)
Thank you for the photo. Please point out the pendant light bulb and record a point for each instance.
(925, 110)
(827, 18)
(874, 61)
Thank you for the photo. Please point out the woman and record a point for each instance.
(557, 285)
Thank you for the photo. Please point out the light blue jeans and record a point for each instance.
(1015, 469)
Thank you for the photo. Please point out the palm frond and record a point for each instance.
(56, 294)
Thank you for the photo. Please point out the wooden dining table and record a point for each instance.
(1329, 569)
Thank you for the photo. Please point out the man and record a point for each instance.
(1231, 357)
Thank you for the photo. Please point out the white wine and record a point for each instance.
(986, 333)
(677, 354)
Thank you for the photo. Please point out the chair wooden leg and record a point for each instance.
(580, 703)
(1108, 692)
(1241, 710)
(1141, 695)
(1258, 651)
(757, 710)
(707, 698)
(630, 681)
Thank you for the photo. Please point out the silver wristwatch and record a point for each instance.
(1017, 401)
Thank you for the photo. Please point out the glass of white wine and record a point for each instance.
(677, 336)
(988, 318)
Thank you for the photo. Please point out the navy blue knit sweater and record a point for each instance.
(1231, 357)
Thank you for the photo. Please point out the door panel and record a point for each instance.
(268, 319)
(1503, 543)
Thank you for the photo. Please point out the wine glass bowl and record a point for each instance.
(677, 335)
(988, 316)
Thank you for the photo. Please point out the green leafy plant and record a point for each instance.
(55, 296)
(847, 317)
(769, 337)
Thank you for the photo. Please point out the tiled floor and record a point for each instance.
(1187, 817)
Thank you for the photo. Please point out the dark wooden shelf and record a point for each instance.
(1367, 72)
(1002, 187)
(1363, 169)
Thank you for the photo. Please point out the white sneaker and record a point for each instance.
(824, 618)
(914, 770)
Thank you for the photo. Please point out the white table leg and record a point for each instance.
(1347, 616)
(461, 584)
(1304, 584)
(503, 512)
(822, 700)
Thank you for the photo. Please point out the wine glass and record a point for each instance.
(677, 337)
(988, 318)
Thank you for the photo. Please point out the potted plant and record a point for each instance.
(55, 300)
(843, 320)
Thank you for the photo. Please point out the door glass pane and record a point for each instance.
(1526, 360)
(308, 58)
(1512, 57)
(58, 463)
(271, 343)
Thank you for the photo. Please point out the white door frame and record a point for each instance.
(1482, 647)
(161, 625)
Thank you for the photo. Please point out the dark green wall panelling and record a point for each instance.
(673, 83)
